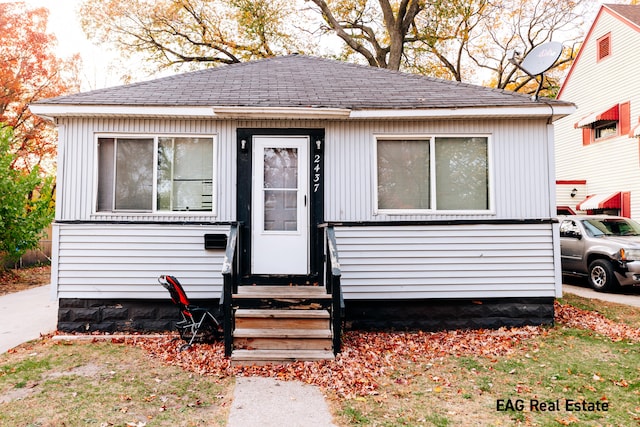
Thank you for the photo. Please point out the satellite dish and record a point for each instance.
(539, 60)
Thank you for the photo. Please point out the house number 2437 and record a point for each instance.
(316, 170)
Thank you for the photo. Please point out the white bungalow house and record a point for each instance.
(597, 155)
(440, 196)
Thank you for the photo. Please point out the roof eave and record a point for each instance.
(240, 112)
(53, 111)
(541, 110)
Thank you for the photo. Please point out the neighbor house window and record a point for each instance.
(437, 173)
(155, 174)
(604, 47)
(605, 129)
(609, 123)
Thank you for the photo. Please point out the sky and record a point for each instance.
(100, 66)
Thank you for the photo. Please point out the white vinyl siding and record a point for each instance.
(610, 165)
(521, 179)
(519, 155)
(119, 260)
(124, 261)
(447, 261)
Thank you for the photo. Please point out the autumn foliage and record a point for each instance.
(367, 357)
(29, 71)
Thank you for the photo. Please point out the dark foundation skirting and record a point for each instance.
(431, 315)
(88, 315)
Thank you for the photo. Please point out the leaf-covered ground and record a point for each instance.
(574, 317)
(15, 280)
(369, 357)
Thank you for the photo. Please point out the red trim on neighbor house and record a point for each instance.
(612, 113)
(624, 118)
(619, 112)
(625, 204)
(606, 201)
(571, 181)
(587, 136)
(603, 47)
(567, 209)
(620, 201)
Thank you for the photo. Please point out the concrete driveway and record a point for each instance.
(25, 315)
(626, 295)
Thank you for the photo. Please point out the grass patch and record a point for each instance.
(99, 384)
(542, 384)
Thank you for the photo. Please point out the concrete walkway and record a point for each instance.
(25, 315)
(267, 402)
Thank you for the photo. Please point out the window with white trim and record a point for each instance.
(155, 174)
(448, 173)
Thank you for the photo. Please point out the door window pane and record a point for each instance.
(280, 189)
(403, 174)
(280, 210)
(280, 168)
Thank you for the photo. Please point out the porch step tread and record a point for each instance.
(282, 314)
(282, 333)
(275, 292)
(261, 357)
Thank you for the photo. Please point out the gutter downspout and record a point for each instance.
(55, 228)
(555, 226)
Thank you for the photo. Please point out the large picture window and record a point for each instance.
(155, 174)
(433, 174)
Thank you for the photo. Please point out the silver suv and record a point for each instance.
(605, 249)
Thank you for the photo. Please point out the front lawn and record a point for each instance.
(583, 371)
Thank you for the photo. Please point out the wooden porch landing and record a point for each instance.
(281, 324)
(287, 292)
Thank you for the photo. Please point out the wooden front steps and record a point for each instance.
(303, 297)
(281, 324)
(264, 357)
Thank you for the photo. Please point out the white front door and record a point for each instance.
(280, 212)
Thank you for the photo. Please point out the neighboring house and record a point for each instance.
(440, 194)
(597, 147)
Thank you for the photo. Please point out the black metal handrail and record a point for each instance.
(230, 286)
(332, 283)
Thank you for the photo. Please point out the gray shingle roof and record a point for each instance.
(300, 81)
(629, 11)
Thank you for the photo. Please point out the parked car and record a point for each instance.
(605, 249)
